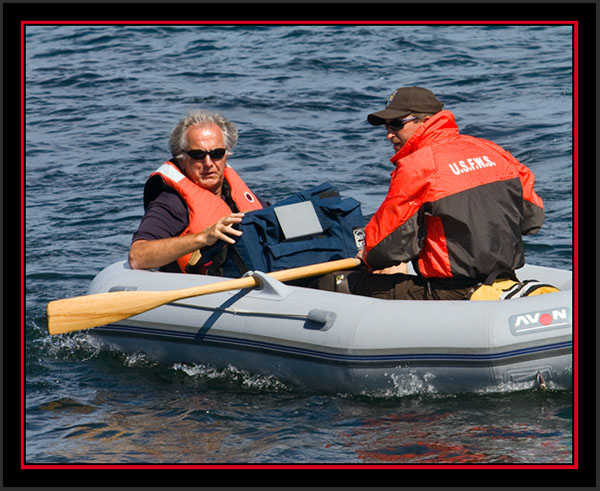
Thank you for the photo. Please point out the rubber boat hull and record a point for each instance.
(332, 342)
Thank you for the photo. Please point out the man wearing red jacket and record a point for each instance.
(457, 208)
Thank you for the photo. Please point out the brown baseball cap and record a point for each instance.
(405, 101)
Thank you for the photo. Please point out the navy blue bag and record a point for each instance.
(263, 245)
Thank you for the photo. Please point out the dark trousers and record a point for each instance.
(395, 286)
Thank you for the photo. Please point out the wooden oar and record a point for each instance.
(76, 313)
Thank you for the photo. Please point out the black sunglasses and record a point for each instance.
(397, 124)
(215, 153)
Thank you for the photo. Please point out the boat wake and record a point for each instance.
(232, 376)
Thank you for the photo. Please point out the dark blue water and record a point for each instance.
(100, 104)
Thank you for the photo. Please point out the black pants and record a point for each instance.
(395, 286)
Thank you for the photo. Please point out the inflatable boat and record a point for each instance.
(338, 343)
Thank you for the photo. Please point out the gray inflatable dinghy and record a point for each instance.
(337, 343)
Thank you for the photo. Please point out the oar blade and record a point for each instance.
(85, 312)
(99, 309)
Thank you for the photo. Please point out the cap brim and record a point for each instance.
(380, 117)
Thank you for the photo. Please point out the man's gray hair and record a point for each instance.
(178, 140)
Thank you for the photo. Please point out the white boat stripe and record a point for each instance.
(542, 327)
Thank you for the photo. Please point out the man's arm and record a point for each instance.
(146, 254)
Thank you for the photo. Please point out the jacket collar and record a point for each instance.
(439, 126)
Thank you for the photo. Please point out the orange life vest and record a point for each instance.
(205, 208)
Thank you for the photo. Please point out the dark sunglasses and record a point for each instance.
(215, 153)
(397, 124)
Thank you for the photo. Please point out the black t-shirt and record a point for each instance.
(166, 216)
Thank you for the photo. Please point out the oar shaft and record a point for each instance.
(314, 269)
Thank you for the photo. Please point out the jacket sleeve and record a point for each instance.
(397, 230)
(387, 244)
(533, 206)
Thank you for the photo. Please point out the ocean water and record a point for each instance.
(101, 101)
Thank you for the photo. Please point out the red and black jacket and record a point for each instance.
(457, 206)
